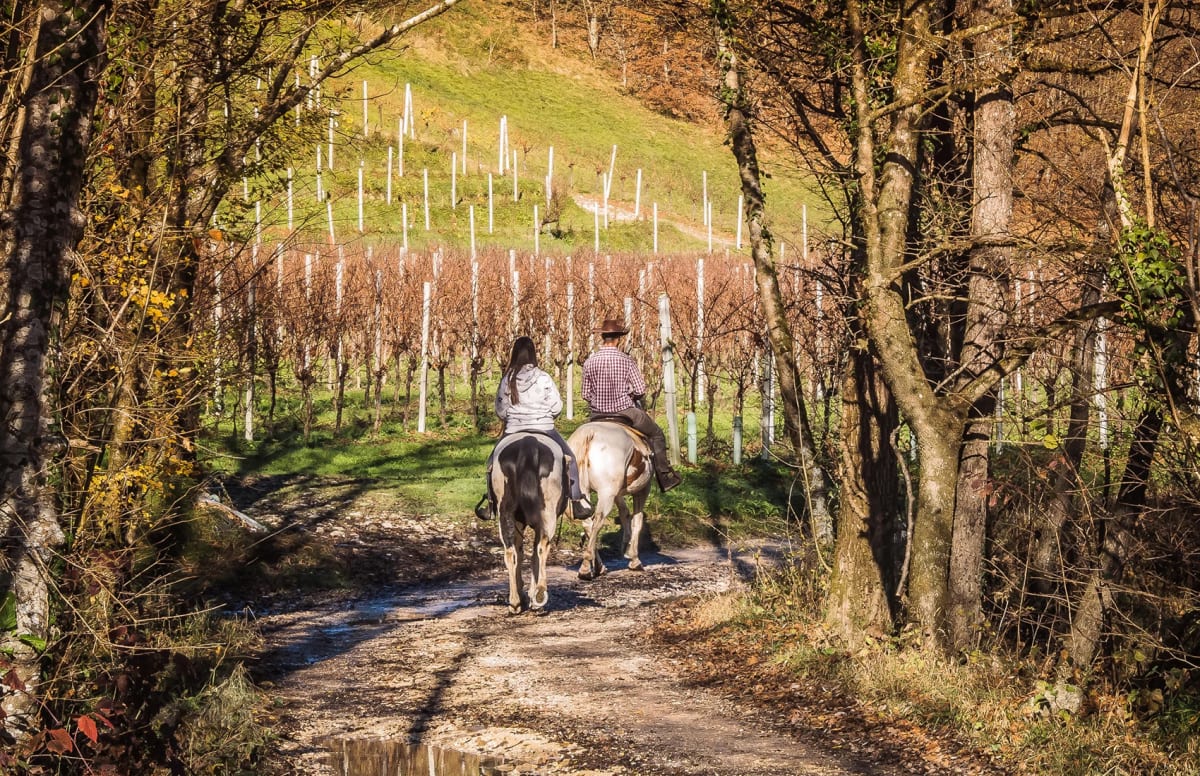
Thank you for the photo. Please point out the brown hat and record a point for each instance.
(613, 327)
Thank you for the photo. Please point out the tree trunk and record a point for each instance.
(862, 592)
(990, 264)
(778, 329)
(41, 225)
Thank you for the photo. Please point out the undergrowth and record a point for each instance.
(999, 704)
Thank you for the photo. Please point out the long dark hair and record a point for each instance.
(523, 353)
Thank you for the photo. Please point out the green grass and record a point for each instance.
(472, 64)
(441, 471)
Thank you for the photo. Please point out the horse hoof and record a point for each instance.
(636, 565)
(513, 610)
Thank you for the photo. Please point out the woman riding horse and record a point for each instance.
(528, 400)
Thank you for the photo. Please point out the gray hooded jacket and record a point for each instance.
(538, 401)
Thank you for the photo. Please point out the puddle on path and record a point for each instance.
(375, 756)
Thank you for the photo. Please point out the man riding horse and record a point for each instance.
(613, 387)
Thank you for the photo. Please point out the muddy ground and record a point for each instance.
(417, 646)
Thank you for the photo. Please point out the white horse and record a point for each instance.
(529, 487)
(614, 461)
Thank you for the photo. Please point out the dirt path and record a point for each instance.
(575, 691)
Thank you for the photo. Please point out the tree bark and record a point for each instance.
(41, 224)
(987, 316)
(779, 331)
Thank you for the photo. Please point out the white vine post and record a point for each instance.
(655, 228)
(570, 349)
(701, 378)
(502, 142)
(637, 197)
(591, 306)
(409, 117)
(290, 208)
(704, 211)
(425, 175)
(471, 210)
(668, 373)
(454, 181)
(329, 153)
(424, 384)
(516, 300)
(248, 430)
(768, 404)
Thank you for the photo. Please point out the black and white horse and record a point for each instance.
(529, 485)
(614, 461)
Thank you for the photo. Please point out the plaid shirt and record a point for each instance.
(610, 381)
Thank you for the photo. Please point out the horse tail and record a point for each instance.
(580, 443)
(525, 464)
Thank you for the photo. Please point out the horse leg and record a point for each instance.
(623, 517)
(538, 596)
(635, 529)
(591, 566)
(513, 552)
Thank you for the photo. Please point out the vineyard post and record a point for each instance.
(655, 228)
(471, 212)
(251, 346)
(700, 376)
(329, 217)
(637, 196)
(737, 440)
(668, 375)
(378, 354)
(404, 225)
(768, 404)
(389, 175)
(704, 211)
(423, 387)
(245, 186)
(290, 208)
(570, 350)
(691, 438)
(409, 119)
(454, 180)
(591, 306)
(549, 336)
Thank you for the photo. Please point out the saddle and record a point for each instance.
(622, 421)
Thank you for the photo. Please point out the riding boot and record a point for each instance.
(666, 476)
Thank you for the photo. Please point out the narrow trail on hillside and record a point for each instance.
(574, 691)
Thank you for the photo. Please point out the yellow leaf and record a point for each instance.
(1050, 441)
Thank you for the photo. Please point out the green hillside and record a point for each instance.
(475, 65)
